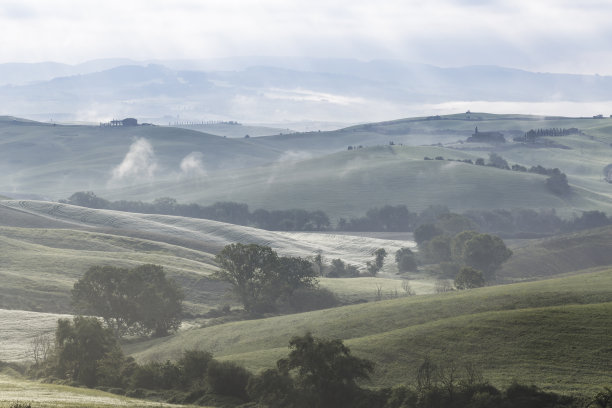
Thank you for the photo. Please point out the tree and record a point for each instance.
(82, 347)
(259, 277)
(425, 232)
(469, 278)
(557, 184)
(486, 253)
(405, 259)
(139, 300)
(318, 373)
(250, 269)
(438, 249)
(495, 160)
(380, 255)
(457, 245)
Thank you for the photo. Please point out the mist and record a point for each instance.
(139, 165)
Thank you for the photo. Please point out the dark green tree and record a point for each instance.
(557, 184)
(139, 300)
(83, 347)
(259, 277)
(405, 259)
(469, 278)
(425, 232)
(486, 253)
(318, 373)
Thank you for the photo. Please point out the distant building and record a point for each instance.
(123, 122)
(486, 137)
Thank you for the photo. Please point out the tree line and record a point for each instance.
(317, 373)
(388, 218)
(230, 212)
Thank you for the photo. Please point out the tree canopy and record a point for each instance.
(259, 276)
(139, 300)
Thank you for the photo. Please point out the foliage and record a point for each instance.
(426, 232)
(339, 269)
(317, 373)
(495, 160)
(405, 259)
(226, 211)
(438, 249)
(486, 253)
(83, 347)
(227, 378)
(259, 277)
(557, 184)
(469, 278)
(139, 300)
(379, 260)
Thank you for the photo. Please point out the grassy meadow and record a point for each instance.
(548, 325)
(551, 332)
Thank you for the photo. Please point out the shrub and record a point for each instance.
(227, 378)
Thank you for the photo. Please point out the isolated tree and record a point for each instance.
(259, 277)
(139, 300)
(469, 278)
(250, 269)
(557, 184)
(405, 259)
(380, 255)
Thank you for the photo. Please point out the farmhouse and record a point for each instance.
(122, 122)
(486, 137)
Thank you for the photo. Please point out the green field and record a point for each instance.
(349, 183)
(313, 170)
(538, 259)
(40, 264)
(552, 333)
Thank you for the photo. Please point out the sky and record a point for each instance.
(536, 35)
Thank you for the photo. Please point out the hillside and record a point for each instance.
(557, 325)
(538, 259)
(351, 182)
(41, 263)
(55, 161)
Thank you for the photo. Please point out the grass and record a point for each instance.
(349, 183)
(508, 331)
(558, 255)
(14, 389)
(40, 265)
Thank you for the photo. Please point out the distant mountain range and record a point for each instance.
(269, 90)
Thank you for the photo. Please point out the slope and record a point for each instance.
(351, 182)
(552, 332)
(40, 264)
(58, 160)
(538, 259)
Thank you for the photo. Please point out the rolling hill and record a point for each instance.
(41, 263)
(351, 182)
(54, 160)
(551, 332)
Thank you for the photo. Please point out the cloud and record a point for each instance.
(192, 166)
(138, 165)
(520, 33)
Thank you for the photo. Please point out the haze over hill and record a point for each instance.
(280, 90)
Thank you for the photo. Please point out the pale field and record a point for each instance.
(41, 395)
(19, 328)
(352, 249)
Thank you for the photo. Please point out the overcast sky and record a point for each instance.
(540, 35)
